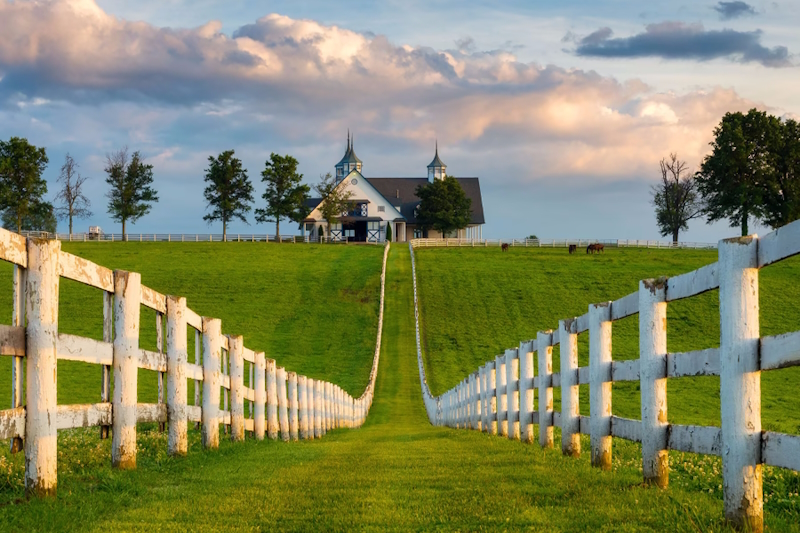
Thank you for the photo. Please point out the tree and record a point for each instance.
(41, 217)
(781, 196)
(285, 195)
(675, 197)
(336, 200)
(21, 185)
(131, 196)
(75, 203)
(389, 232)
(229, 192)
(443, 206)
(733, 178)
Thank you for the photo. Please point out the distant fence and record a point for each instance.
(556, 243)
(282, 402)
(185, 237)
(498, 397)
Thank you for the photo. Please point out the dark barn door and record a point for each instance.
(361, 231)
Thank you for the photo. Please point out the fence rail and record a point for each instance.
(185, 237)
(279, 401)
(556, 243)
(498, 397)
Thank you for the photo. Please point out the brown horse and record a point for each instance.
(572, 248)
(504, 247)
(596, 247)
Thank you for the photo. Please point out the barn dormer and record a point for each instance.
(349, 162)
(436, 170)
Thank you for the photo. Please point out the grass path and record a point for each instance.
(396, 473)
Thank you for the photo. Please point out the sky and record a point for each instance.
(562, 109)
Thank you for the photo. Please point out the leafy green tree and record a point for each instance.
(781, 195)
(336, 200)
(733, 178)
(675, 197)
(74, 202)
(229, 192)
(285, 195)
(131, 194)
(41, 217)
(21, 184)
(443, 206)
(389, 232)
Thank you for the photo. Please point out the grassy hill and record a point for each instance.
(477, 302)
(312, 308)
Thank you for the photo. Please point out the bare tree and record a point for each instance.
(675, 197)
(336, 200)
(75, 204)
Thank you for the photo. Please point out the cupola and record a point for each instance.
(349, 162)
(436, 170)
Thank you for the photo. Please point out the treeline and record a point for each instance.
(751, 174)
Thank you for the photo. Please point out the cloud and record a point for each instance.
(678, 40)
(732, 10)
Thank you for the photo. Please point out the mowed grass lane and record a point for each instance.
(397, 473)
(312, 308)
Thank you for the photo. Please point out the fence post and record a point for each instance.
(302, 382)
(493, 411)
(317, 410)
(600, 384)
(512, 386)
(526, 390)
(328, 406)
(282, 404)
(476, 402)
(502, 397)
(293, 406)
(41, 333)
(127, 299)
(212, 344)
(108, 336)
(312, 433)
(482, 397)
(740, 382)
(177, 389)
(260, 396)
(570, 391)
(272, 400)
(544, 344)
(236, 356)
(17, 375)
(653, 380)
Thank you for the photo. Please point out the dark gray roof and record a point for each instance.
(401, 193)
(436, 161)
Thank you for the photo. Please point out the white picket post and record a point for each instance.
(526, 391)
(313, 421)
(127, 299)
(283, 408)
(260, 396)
(212, 345)
(740, 383)
(512, 388)
(293, 407)
(272, 400)
(18, 362)
(502, 396)
(570, 391)
(303, 405)
(600, 384)
(177, 389)
(493, 412)
(544, 343)
(317, 410)
(653, 381)
(476, 402)
(236, 357)
(483, 397)
(41, 337)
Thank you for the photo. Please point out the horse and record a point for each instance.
(572, 248)
(596, 247)
(504, 247)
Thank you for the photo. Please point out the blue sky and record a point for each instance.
(563, 109)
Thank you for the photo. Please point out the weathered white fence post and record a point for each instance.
(328, 406)
(493, 411)
(653, 380)
(236, 356)
(512, 387)
(41, 444)
(108, 336)
(483, 397)
(600, 384)
(17, 362)
(740, 382)
(283, 407)
(212, 344)
(127, 299)
(476, 402)
(544, 343)
(272, 400)
(302, 382)
(317, 410)
(526, 390)
(293, 406)
(260, 396)
(570, 399)
(177, 389)
(502, 398)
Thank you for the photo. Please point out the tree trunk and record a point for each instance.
(278, 229)
(70, 223)
(123, 230)
(744, 222)
(224, 230)
(675, 236)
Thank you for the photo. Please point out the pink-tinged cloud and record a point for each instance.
(313, 80)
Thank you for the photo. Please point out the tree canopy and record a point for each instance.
(131, 195)
(675, 197)
(285, 195)
(336, 200)
(22, 187)
(443, 206)
(229, 192)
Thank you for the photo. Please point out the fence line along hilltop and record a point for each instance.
(556, 243)
(498, 397)
(280, 401)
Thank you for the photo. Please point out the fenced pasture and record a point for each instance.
(185, 237)
(242, 390)
(498, 398)
(559, 243)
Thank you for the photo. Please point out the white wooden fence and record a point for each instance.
(498, 397)
(282, 402)
(184, 237)
(555, 243)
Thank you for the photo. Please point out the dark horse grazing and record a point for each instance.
(596, 247)
(572, 248)
(504, 247)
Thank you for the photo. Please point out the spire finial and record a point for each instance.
(437, 146)
(348, 138)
